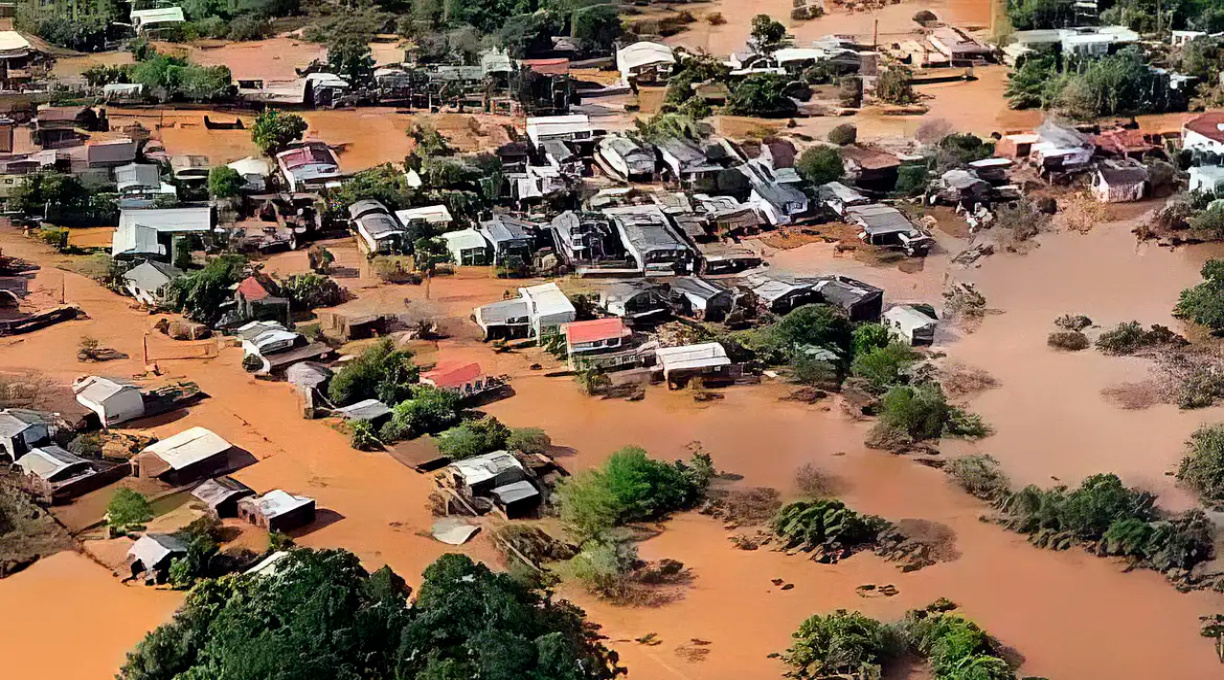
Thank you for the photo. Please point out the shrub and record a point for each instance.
(1130, 337)
(630, 487)
(811, 482)
(821, 165)
(912, 179)
(841, 644)
(308, 291)
(249, 27)
(810, 325)
(869, 336)
(1072, 341)
(1202, 468)
(715, 19)
(604, 566)
(201, 295)
(528, 440)
(921, 412)
(883, 367)
(979, 474)
(925, 17)
(428, 410)
(473, 438)
(381, 372)
(225, 182)
(127, 510)
(1204, 304)
(1073, 322)
(826, 526)
(362, 435)
(894, 86)
(843, 134)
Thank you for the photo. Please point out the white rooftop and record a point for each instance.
(547, 299)
(429, 213)
(552, 126)
(276, 503)
(483, 468)
(643, 54)
(189, 447)
(704, 355)
(464, 239)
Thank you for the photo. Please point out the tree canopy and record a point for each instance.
(324, 617)
(274, 130)
(820, 165)
(382, 372)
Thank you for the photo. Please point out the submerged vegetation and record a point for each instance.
(848, 644)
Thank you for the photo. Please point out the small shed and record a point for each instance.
(115, 402)
(151, 554)
(481, 474)
(467, 247)
(860, 301)
(911, 324)
(221, 495)
(372, 411)
(277, 510)
(692, 360)
(516, 499)
(189, 455)
(56, 474)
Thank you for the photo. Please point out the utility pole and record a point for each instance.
(875, 34)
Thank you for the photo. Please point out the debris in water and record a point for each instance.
(454, 531)
(649, 639)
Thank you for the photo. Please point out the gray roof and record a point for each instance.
(625, 147)
(47, 462)
(308, 373)
(368, 409)
(779, 194)
(698, 288)
(153, 550)
(14, 421)
(138, 175)
(502, 311)
(277, 502)
(216, 491)
(151, 274)
(684, 150)
(515, 491)
(645, 228)
(879, 219)
(366, 205)
(503, 228)
(844, 291)
(379, 225)
(1061, 136)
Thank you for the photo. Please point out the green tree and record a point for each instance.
(767, 34)
(1204, 304)
(884, 367)
(596, 28)
(200, 295)
(529, 440)
(919, 411)
(804, 327)
(225, 182)
(821, 165)
(1202, 468)
(428, 410)
(273, 130)
(473, 438)
(894, 86)
(841, 644)
(1037, 14)
(1034, 84)
(350, 58)
(382, 372)
(309, 290)
(765, 95)
(869, 336)
(127, 510)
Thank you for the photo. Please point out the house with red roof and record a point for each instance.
(603, 343)
(1204, 134)
(464, 379)
(256, 302)
(309, 166)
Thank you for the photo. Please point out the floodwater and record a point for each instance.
(67, 618)
(1067, 613)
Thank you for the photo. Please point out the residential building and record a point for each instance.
(17, 61)
(586, 237)
(268, 347)
(958, 46)
(860, 301)
(110, 153)
(634, 299)
(869, 168)
(689, 361)
(574, 127)
(498, 476)
(467, 247)
(1120, 182)
(779, 203)
(253, 301)
(151, 231)
(700, 299)
(511, 238)
(539, 310)
(911, 324)
(839, 198)
(625, 159)
(379, 232)
(190, 455)
(151, 19)
(55, 474)
(1206, 178)
(152, 554)
(1204, 134)
(550, 308)
(57, 126)
(1061, 148)
(438, 216)
(504, 319)
(22, 429)
(371, 411)
(114, 402)
(309, 166)
(726, 216)
(465, 379)
(149, 281)
(645, 62)
(277, 510)
(685, 161)
(190, 168)
(139, 184)
(602, 343)
(650, 240)
(779, 294)
(255, 172)
(887, 227)
(221, 495)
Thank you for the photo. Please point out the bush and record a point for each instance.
(765, 95)
(920, 412)
(473, 438)
(428, 410)
(979, 474)
(826, 526)
(604, 567)
(630, 487)
(894, 86)
(381, 372)
(308, 291)
(807, 326)
(1073, 322)
(715, 19)
(274, 130)
(925, 17)
(1202, 468)
(843, 134)
(912, 179)
(225, 182)
(1204, 303)
(528, 440)
(1072, 341)
(249, 27)
(362, 435)
(820, 165)
(884, 367)
(1130, 337)
(841, 644)
(127, 510)
(201, 295)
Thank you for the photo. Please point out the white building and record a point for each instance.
(910, 324)
(645, 62)
(1205, 133)
(113, 401)
(549, 308)
(1206, 178)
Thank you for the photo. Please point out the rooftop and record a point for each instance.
(213, 492)
(276, 503)
(49, 462)
(705, 355)
(599, 329)
(189, 447)
(484, 468)
(452, 374)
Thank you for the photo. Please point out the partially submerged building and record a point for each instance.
(1120, 181)
(150, 556)
(885, 226)
(860, 301)
(682, 363)
(113, 401)
(149, 281)
(634, 299)
(221, 495)
(277, 510)
(513, 239)
(626, 159)
(699, 299)
(379, 232)
(599, 343)
(645, 62)
(911, 324)
(498, 478)
(467, 247)
(539, 310)
(56, 475)
(467, 379)
(151, 231)
(23, 429)
(309, 166)
(190, 455)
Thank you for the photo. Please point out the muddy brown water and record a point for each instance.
(1067, 613)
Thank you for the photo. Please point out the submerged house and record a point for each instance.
(779, 294)
(602, 343)
(277, 510)
(151, 231)
(1061, 148)
(885, 226)
(1120, 182)
(650, 240)
(869, 168)
(379, 231)
(498, 477)
(309, 166)
(911, 324)
(465, 379)
(152, 554)
(140, 183)
(149, 281)
(586, 237)
(645, 62)
(958, 46)
(685, 161)
(634, 299)
(22, 429)
(537, 311)
(221, 495)
(682, 363)
(700, 299)
(1204, 134)
(512, 238)
(625, 159)
(55, 474)
(467, 247)
(192, 454)
(115, 402)
(860, 301)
